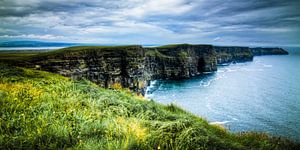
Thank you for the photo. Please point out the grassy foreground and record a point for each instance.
(41, 110)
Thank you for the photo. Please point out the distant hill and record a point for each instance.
(35, 44)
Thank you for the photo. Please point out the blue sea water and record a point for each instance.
(262, 95)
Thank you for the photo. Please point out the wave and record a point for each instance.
(219, 122)
(231, 70)
(235, 119)
(208, 82)
(205, 84)
(267, 66)
(208, 105)
(224, 122)
(260, 69)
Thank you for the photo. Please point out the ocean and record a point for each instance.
(262, 95)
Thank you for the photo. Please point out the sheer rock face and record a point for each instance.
(104, 66)
(130, 66)
(268, 51)
(181, 61)
(134, 66)
(227, 54)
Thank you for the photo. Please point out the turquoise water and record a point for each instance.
(262, 95)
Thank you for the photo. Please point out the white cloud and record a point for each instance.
(159, 7)
(217, 39)
(145, 21)
(34, 36)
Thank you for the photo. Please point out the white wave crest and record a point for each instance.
(219, 122)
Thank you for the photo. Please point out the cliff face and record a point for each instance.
(268, 51)
(130, 66)
(180, 61)
(133, 66)
(233, 54)
(105, 66)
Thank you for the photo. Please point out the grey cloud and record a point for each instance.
(129, 20)
(22, 8)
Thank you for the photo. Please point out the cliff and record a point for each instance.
(103, 65)
(180, 61)
(129, 66)
(268, 51)
(133, 66)
(227, 54)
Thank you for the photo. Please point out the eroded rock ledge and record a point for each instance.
(134, 66)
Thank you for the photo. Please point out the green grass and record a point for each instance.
(41, 110)
(178, 45)
(171, 45)
(156, 53)
(13, 55)
(87, 48)
(76, 49)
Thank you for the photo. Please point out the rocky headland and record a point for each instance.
(268, 51)
(228, 54)
(134, 66)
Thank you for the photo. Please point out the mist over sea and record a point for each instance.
(262, 95)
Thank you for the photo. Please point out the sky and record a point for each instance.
(218, 22)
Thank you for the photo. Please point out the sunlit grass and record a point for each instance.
(41, 110)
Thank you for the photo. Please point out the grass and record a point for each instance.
(41, 110)
(21, 57)
(156, 53)
(171, 45)
(13, 55)
(76, 49)
(178, 45)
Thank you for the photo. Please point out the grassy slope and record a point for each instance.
(13, 56)
(45, 110)
(75, 49)
(177, 45)
(7, 55)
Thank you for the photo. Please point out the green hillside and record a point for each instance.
(41, 110)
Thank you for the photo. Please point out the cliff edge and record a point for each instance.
(268, 51)
(133, 66)
(228, 54)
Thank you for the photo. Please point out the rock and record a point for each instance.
(180, 61)
(268, 51)
(105, 66)
(134, 66)
(228, 54)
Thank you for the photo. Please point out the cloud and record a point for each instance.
(217, 39)
(33, 36)
(152, 21)
(160, 7)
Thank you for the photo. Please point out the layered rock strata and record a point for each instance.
(268, 51)
(134, 66)
(228, 54)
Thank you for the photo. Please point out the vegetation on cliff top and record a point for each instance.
(93, 48)
(179, 45)
(41, 110)
(156, 53)
(14, 57)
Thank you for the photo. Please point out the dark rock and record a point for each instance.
(180, 61)
(226, 54)
(268, 51)
(130, 66)
(105, 66)
(134, 66)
